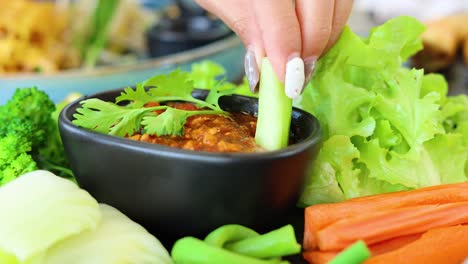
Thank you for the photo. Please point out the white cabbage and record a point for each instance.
(39, 209)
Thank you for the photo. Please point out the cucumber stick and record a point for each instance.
(274, 111)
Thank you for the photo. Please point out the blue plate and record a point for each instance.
(227, 52)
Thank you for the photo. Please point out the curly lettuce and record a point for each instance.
(385, 127)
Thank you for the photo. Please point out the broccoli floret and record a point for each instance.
(28, 107)
(29, 137)
(14, 157)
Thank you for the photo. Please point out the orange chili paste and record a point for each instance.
(212, 133)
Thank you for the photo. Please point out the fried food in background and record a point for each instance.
(44, 36)
(32, 37)
(442, 40)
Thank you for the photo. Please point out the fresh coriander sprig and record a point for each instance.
(111, 118)
(176, 86)
(197, 102)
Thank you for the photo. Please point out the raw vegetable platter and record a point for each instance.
(389, 133)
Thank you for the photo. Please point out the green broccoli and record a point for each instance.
(29, 137)
(14, 157)
(29, 107)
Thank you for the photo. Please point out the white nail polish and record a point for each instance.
(294, 78)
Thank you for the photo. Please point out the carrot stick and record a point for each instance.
(321, 215)
(319, 257)
(393, 244)
(375, 227)
(438, 246)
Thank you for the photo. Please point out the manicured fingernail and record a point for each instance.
(251, 69)
(309, 67)
(294, 78)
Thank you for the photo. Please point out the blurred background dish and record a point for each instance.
(227, 52)
(50, 36)
(68, 46)
(184, 27)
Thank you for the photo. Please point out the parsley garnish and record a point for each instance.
(114, 119)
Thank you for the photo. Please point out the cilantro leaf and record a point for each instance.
(109, 118)
(170, 122)
(175, 84)
(215, 94)
(139, 97)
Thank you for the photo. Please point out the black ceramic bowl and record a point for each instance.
(175, 192)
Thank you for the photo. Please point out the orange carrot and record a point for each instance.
(322, 215)
(393, 244)
(319, 257)
(374, 227)
(448, 245)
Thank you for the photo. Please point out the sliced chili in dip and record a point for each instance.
(212, 133)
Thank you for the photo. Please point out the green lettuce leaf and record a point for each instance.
(434, 82)
(208, 75)
(455, 119)
(385, 127)
(415, 118)
(450, 165)
(334, 161)
(455, 115)
(205, 74)
(412, 169)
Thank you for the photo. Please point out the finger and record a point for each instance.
(316, 18)
(340, 18)
(239, 16)
(280, 32)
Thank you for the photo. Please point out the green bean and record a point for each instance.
(354, 254)
(277, 243)
(237, 244)
(229, 233)
(190, 250)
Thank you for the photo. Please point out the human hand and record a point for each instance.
(292, 35)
